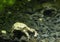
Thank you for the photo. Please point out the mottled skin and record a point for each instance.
(24, 28)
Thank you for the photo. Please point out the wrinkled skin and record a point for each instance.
(24, 28)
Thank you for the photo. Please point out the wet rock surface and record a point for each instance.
(45, 20)
(49, 30)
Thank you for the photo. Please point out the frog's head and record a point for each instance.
(19, 26)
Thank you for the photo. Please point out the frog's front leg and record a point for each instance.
(36, 34)
(33, 30)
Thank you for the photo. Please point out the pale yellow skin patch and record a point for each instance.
(24, 28)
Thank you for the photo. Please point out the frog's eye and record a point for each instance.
(24, 27)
